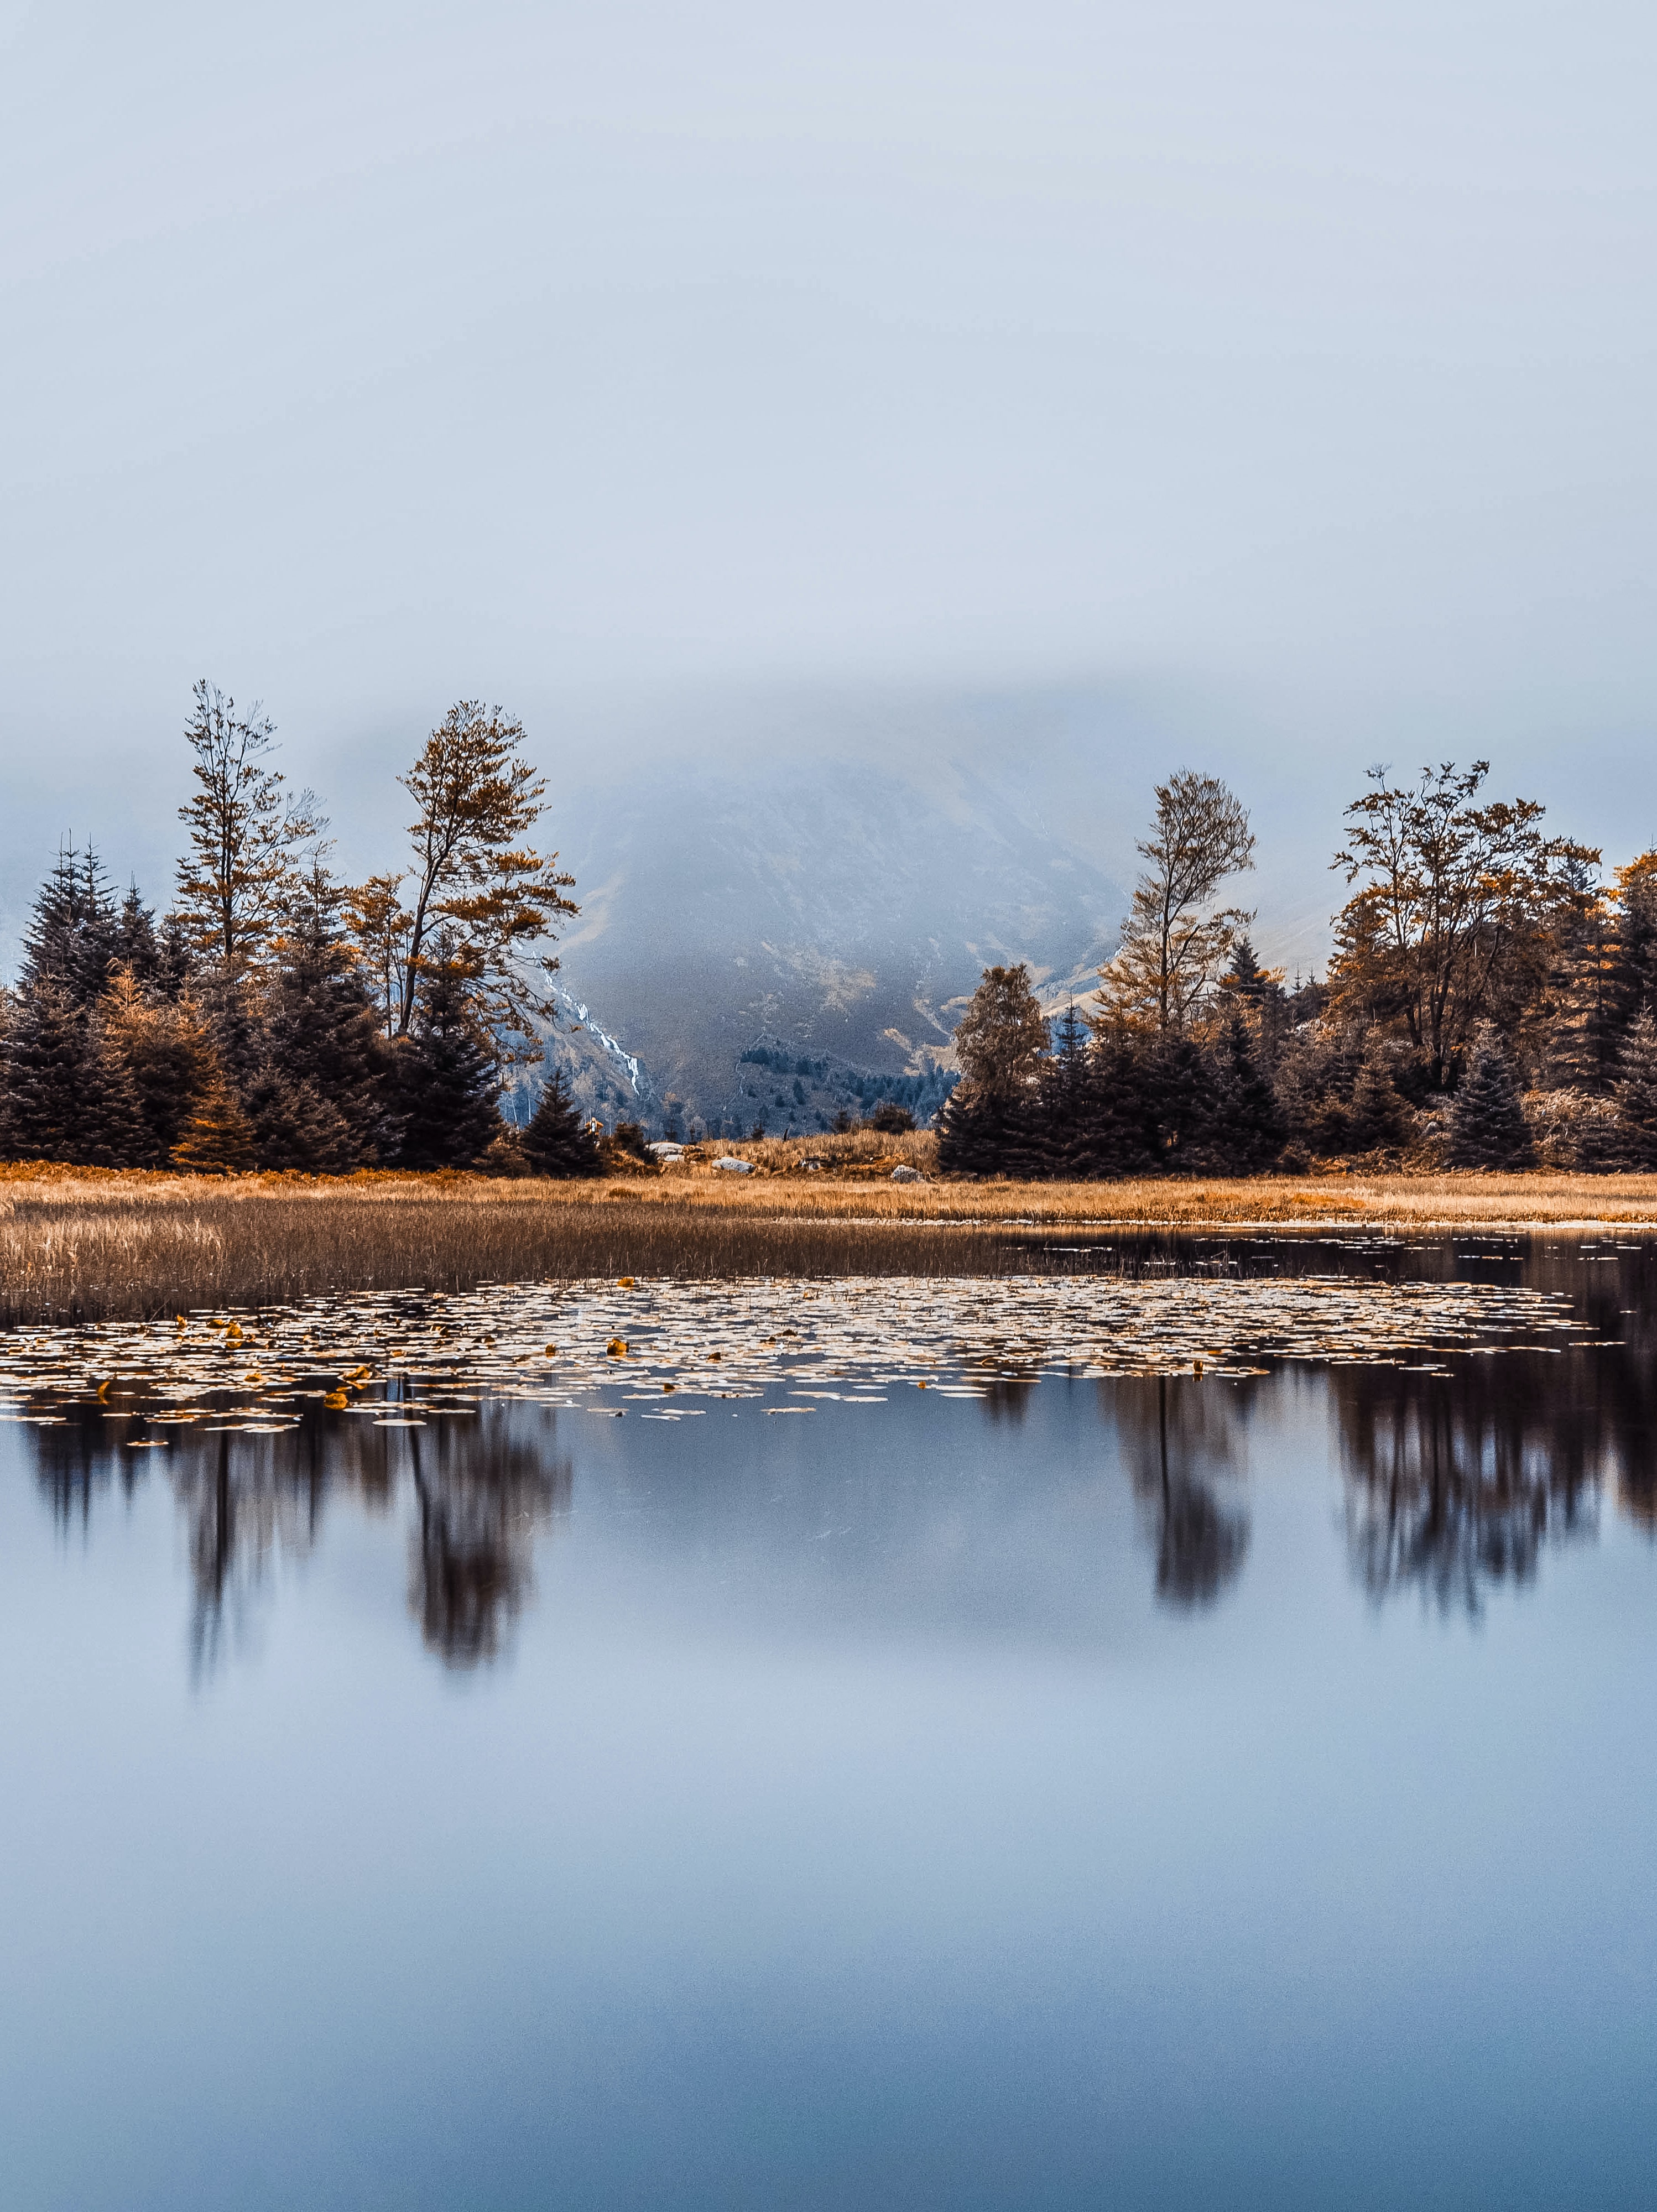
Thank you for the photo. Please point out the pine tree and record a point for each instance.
(1377, 1117)
(1058, 1141)
(1118, 1136)
(294, 1126)
(983, 1132)
(322, 1043)
(443, 1082)
(218, 1137)
(1487, 1122)
(72, 941)
(68, 1097)
(166, 1051)
(1245, 1129)
(1635, 1093)
(556, 1142)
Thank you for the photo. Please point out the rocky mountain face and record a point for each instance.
(832, 916)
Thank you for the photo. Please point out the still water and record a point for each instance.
(1083, 1782)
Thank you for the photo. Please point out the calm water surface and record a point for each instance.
(1153, 1792)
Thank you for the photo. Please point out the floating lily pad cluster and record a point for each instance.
(671, 1349)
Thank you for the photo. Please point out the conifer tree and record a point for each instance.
(1244, 1128)
(166, 1051)
(68, 1098)
(1379, 1114)
(1487, 1122)
(217, 1137)
(324, 1084)
(71, 939)
(443, 1080)
(1057, 1142)
(1635, 1093)
(294, 1125)
(556, 1142)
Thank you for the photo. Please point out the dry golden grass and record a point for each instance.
(80, 1242)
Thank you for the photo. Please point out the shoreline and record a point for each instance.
(85, 1244)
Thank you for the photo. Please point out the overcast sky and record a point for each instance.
(1288, 365)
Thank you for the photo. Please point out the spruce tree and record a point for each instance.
(984, 1133)
(1377, 1117)
(1057, 1144)
(1487, 1123)
(1244, 1128)
(294, 1126)
(1635, 1093)
(1118, 1139)
(217, 1138)
(69, 1095)
(556, 1142)
(72, 937)
(324, 1082)
(165, 1049)
(443, 1082)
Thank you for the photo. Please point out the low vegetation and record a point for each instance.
(83, 1243)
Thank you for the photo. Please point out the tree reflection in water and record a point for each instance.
(483, 1486)
(1457, 1481)
(1179, 1435)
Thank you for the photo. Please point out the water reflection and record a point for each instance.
(1456, 1484)
(483, 1487)
(1183, 1441)
(1458, 1473)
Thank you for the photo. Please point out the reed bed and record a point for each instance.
(80, 1245)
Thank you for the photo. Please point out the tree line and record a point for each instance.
(276, 1017)
(1488, 1004)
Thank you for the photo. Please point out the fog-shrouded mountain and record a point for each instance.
(831, 914)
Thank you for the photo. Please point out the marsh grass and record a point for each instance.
(83, 1244)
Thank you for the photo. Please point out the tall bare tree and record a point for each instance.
(245, 833)
(1175, 938)
(492, 898)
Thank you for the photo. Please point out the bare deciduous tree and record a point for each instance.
(245, 833)
(1175, 939)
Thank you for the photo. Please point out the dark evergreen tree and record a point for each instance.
(556, 1141)
(137, 949)
(323, 1087)
(984, 1133)
(1635, 1093)
(68, 1096)
(72, 939)
(1377, 1117)
(294, 1125)
(443, 1082)
(1244, 1127)
(1178, 1084)
(1058, 1131)
(1487, 1123)
(1118, 1136)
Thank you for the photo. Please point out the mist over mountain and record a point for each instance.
(835, 908)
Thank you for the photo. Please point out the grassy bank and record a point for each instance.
(77, 1243)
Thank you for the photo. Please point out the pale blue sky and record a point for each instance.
(1291, 363)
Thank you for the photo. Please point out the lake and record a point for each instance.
(1177, 1731)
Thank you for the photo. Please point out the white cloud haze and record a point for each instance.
(1285, 370)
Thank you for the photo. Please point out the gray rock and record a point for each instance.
(735, 1167)
(907, 1175)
